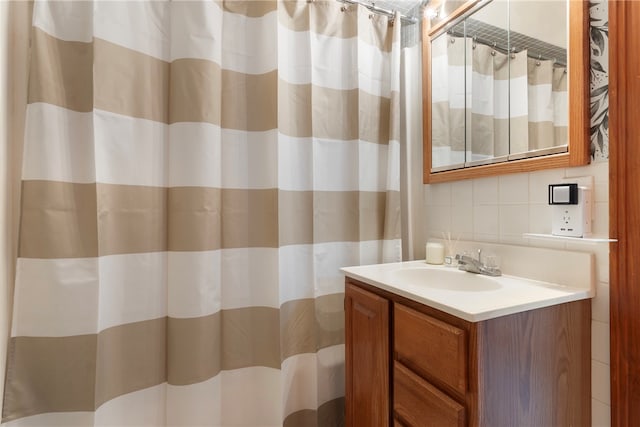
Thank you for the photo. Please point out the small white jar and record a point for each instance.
(434, 253)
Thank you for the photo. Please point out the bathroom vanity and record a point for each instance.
(433, 346)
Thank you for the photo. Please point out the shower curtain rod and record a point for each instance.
(373, 8)
(530, 53)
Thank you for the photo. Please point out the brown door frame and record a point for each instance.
(624, 205)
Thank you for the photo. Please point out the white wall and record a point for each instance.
(501, 209)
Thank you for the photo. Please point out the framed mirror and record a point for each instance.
(498, 77)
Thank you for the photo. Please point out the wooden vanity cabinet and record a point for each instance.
(412, 365)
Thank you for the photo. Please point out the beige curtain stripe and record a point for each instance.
(130, 83)
(379, 33)
(501, 134)
(58, 220)
(337, 114)
(374, 118)
(294, 15)
(195, 354)
(131, 219)
(392, 216)
(130, 357)
(294, 109)
(349, 216)
(250, 338)
(440, 124)
(519, 133)
(394, 125)
(250, 218)
(195, 91)
(324, 315)
(541, 135)
(296, 217)
(50, 375)
(250, 9)
(457, 120)
(195, 218)
(61, 72)
(93, 369)
(330, 413)
(482, 130)
(250, 101)
(539, 72)
(330, 20)
(502, 69)
(561, 134)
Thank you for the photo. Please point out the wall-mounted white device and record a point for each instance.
(571, 205)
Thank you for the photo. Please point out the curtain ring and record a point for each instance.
(538, 61)
(452, 40)
(343, 8)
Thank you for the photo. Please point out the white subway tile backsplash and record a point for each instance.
(600, 342)
(600, 414)
(514, 219)
(437, 194)
(486, 221)
(462, 193)
(462, 222)
(485, 191)
(489, 238)
(540, 217)
(600, 223)
(601, 190)
(600, 304)
(438, 220)
(513, 188)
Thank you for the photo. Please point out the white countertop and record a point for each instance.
(495, 296)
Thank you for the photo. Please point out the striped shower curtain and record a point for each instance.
(195, 173)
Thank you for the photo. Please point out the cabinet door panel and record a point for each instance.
(367, 358)
(434, 349)
(419, 404)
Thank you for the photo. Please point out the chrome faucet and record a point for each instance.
(472, 265)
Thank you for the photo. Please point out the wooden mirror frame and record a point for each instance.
(578, 146)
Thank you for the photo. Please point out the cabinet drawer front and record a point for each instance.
(434, 349)
(419, 404)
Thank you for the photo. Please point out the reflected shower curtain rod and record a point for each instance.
(530, 52)
(373, 8)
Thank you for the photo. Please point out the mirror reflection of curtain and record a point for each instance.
(547, 104)
(449, 97)
(518, 104)
(489, 130)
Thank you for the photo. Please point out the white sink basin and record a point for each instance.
(448, 280)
